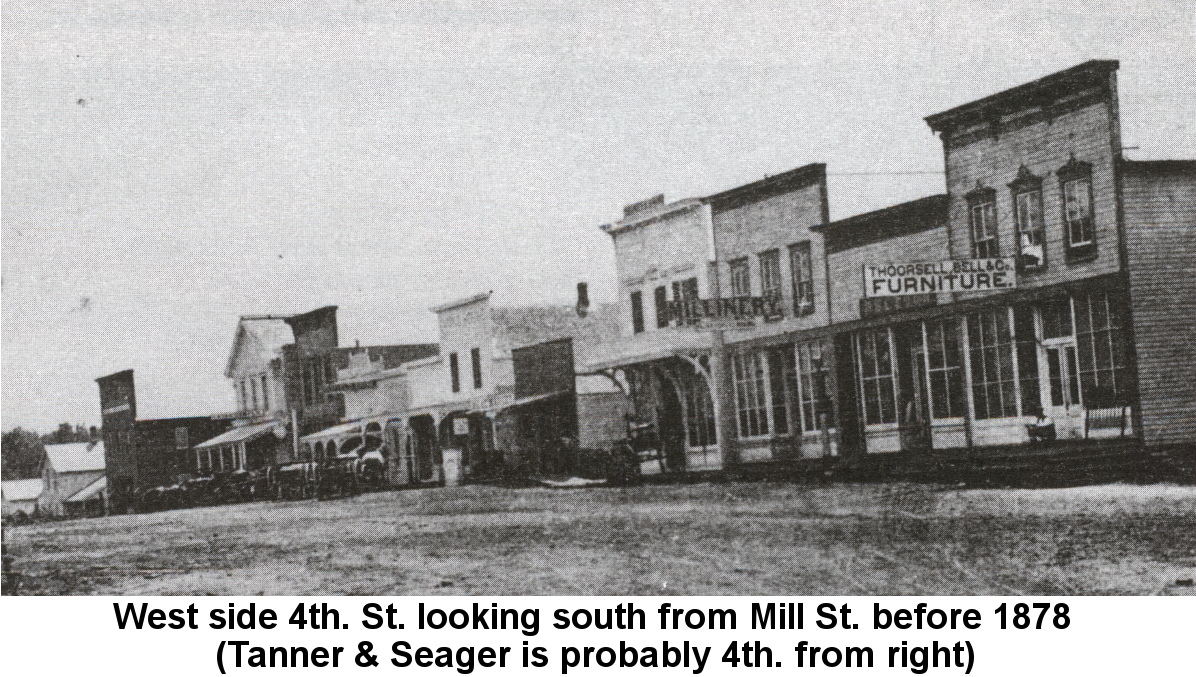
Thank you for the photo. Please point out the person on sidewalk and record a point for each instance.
(1041, 428)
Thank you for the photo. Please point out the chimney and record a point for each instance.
(94, 433)
(583, 299)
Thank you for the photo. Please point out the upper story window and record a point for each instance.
(265, 394)
(253, 393)
(244, 396)
(801, 270)
(982, 220)
(685, 290)
(662, 306)
(741, 278)
(454, 373)
(475, 358)
(305, 381)
(770, 278)
(313, 376)
(770, 273)
(637, 312)
(1075, 179)
(1027, 209)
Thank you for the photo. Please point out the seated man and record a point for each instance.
(1042, 428)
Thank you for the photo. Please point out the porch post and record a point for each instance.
(723, 399)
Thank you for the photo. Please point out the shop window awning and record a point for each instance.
(646, 347)
(342, 430)
(89, 492)
(241, 434)
(531, 399)
(539, 398)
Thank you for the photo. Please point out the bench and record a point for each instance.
(1106, 418)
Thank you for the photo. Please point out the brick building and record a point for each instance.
(140, 454)
(118, 413)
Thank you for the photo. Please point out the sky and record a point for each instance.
(171, 166)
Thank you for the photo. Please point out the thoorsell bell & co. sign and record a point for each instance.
(970, 275)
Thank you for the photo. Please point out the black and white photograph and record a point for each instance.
(570, 299)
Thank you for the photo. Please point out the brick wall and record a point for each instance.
(1160, 227)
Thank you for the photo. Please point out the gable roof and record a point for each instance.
(266, 334)
(22, 490)
(75, 457)
(91, 491)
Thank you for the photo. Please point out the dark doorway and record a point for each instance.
(671, 419)
(913, 401)
(851, 429)
(424, 449)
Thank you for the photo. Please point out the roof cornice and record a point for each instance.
(1049, 88)
(461, 302)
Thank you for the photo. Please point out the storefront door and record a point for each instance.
(671, 426)
(404, 453)
(1063, 384)
(913, 388)
(1059, 373)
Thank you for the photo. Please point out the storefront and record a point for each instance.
(971, 376)
(247, 448)
(784, 399)
(363, 438)
(667, 378)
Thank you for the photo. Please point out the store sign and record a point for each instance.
(970, 275)
(460, 426)
(740, 312)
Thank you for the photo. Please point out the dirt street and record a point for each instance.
(737, 538)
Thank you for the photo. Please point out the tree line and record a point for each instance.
(21, 450)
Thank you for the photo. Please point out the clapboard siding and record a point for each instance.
(1041, 147)
(847, 267)
(1160, 227)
